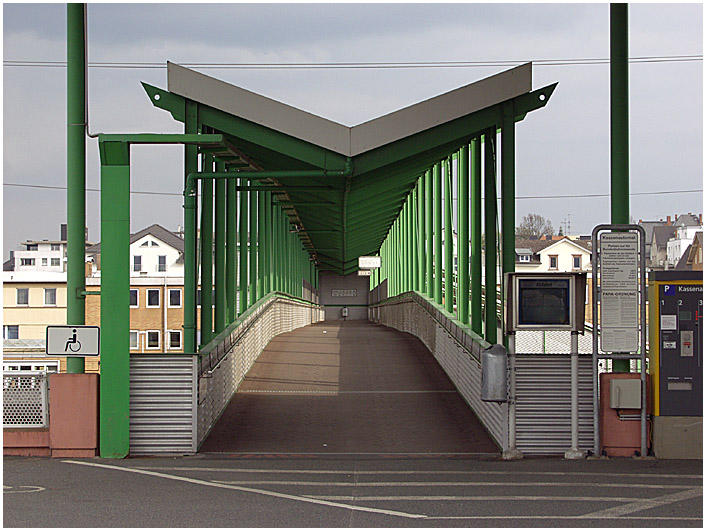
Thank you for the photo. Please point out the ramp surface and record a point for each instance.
(347, 388)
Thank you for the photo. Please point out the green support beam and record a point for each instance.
(462, 245)
(253, 249)
(114, 396)
(507, 168)
(190, 221)
(261, 245)
(75, 174)
(476, 247)
(231, 250)
(243, 250)
(421, 223)
(437, 177)
(206, 255)
(491, 303)
(448, 240)
(221, 310)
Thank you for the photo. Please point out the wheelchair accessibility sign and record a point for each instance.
(73, 340)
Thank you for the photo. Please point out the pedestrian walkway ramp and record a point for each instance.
(348, 388)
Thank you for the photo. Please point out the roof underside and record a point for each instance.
(343, 217)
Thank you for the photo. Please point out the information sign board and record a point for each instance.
(369, 262)
(77, 341)
(620, 303)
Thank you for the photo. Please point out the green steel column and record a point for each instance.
(448, 241)
(462, 245)
(206, 253)
(619, 127)
(221, 310)
(429, 222)
(277, 244)
(421, 223)
(270, 244)
(231, 250)
(406, 264)
(261, 245)
(114, 393)
(491, 303)
(243, 249)
(75, 174)
(508, 193)
(191, 165)
(253, 248)
(476, 251)
(437, 232)
(414, 239)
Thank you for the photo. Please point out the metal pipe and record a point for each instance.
(574, 452)
(462, 245)
(75, 174)
(619, 127)
(511, 452)
(206, 255)
(437, 232)
(476, 272)
(491, 318)
(448, 241)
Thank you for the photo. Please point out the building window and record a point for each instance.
(577, 261)
(153, 298)
(524, 258)
(137, 263)
(44, 261)
(55, 262)
(49, 296)
(145, 244)
(553, 261)
(22, 296)
(175, 298)
(11, 332)
(152, 339)
(162, 265)
(134, 298)
(134, 340)
(32, 247)
(154, 244)
(175, 339)
(55, 247)
(27, 261)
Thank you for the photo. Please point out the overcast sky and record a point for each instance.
(561, 149)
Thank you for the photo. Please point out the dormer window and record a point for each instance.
(524, 258)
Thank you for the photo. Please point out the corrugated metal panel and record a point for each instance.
(162, 404)
(543, 396)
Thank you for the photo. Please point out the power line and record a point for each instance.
(357, 65)
(570, 196)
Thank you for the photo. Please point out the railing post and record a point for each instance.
(462, 245)
(491, 318)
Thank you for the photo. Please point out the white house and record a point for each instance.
(687, 226)
(562, 255)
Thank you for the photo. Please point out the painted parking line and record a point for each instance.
(252, 491)
(21, 489)
(562, 517)
(448, 484)
(475, 498)
(414, 472)
(643, 505)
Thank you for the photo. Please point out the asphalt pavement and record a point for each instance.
(209, 491)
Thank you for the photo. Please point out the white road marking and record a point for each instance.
(474, 498)
(406, 472)
(563, 517)
(643, 505)
(22, 489)
(450, 484)
(253, 491)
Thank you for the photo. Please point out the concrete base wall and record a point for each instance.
(330, 284)
(32, 442)
(678, 437)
